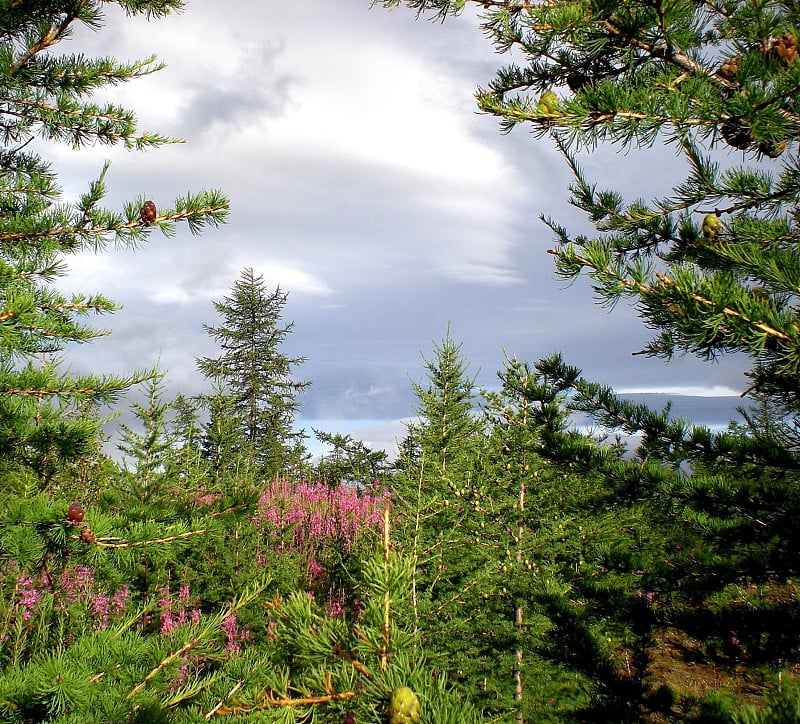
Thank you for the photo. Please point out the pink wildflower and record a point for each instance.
(119, 601)
(233, 635)
(100, 610)
(29, 596)
(335, 606)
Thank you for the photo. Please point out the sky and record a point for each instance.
(366, 185)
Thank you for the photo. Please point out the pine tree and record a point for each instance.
(47, 95)
(185, 460)
(713, 265)
(222, 446)
(147, 450)
(349, 461)
(255, 373)
(448, 422)
(438, 522)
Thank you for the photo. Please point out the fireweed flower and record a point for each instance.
(234, 637)
(119, 601)
(100, 607)
(176, 611)
(166, 619)
(335, 604)
(316, 513)
(29, 596)
(315, 569)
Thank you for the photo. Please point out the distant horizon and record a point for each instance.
(713, 411)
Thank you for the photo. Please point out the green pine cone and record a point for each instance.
(711, 226)
(404, 707)
(548, 104)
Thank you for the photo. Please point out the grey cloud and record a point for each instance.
(256, 89)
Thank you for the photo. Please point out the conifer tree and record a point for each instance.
(438, 524)
(146, 449)
(448, 420)
(222, 445)
(712, 267)
(349, 461)
(254, 372)
(185, 461)
(47, 95)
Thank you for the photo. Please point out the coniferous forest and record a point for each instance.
(506, 567)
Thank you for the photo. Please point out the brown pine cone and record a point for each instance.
(148, 212)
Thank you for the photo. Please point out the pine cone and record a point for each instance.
(404, 707)
(577, 80)
(736, 133)
(87, 535)
(711, 225)
(75, 513)
(786, 49)
(548, 104)
(729, 68)
(771, 148)
(148, 212)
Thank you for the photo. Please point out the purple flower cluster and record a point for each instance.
(319, 522)
(315, 513)
(175, 611)
(336, 603)
(205, 498)
(234, 636)
(29, 596)
(75, 585)
(78, 584)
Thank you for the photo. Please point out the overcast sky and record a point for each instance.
(364, 183)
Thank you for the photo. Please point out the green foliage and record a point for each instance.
(148, 449)
(782, 707)
(657, 542)
(705, 78)
(537, 573)
(349, 461)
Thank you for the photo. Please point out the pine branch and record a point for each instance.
(109, 542)
(272, 699)
(48, 39)
(212, 212)
(665, 52)
(205, 632)
(213, 711)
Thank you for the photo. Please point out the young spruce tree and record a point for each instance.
(254, 373)
(437, 513)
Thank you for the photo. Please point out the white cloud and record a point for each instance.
(682, 390)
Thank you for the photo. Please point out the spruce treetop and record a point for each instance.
(252, 372)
